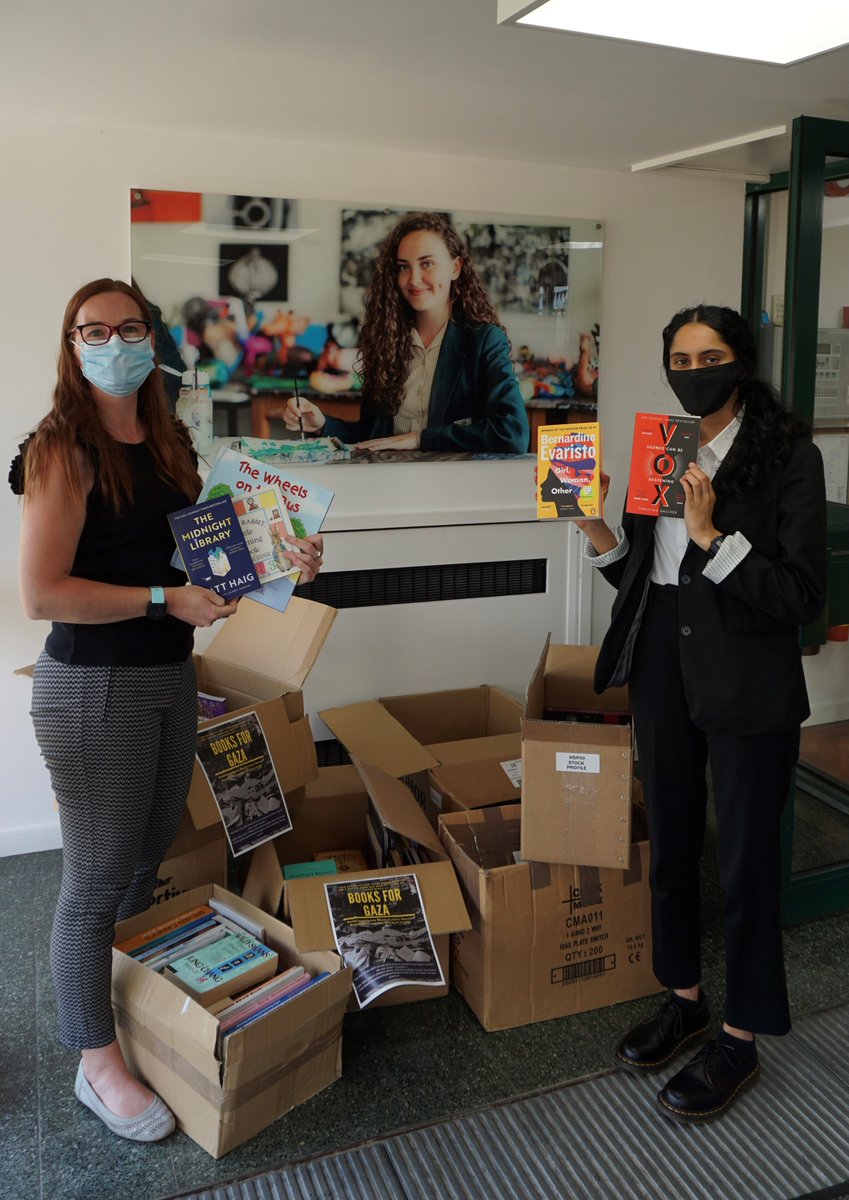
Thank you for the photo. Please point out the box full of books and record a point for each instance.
(219, 1013)
(577, 760)
(254, 668)
(547, 940)
(407, 736)
(377, 918)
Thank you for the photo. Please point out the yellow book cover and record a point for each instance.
(569, 471)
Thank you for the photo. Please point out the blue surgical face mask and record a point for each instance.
(117, 368)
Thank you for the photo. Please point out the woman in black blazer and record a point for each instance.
(705, 630)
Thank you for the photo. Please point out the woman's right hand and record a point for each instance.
(197, 606)
(298, 410)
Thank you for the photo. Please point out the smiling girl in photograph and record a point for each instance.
(434, 356)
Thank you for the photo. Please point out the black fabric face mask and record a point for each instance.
(704, 390)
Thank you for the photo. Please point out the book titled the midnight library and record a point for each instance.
(663, 448)
(211, 545)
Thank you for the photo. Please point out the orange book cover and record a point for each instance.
(663, 448)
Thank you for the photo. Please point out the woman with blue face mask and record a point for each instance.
(114, 692)
(705, 631)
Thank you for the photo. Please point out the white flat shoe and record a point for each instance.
(156, 1122)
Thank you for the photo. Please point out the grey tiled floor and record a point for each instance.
(401, 1066)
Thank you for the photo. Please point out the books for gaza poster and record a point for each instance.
(381, 932)
(236, 761)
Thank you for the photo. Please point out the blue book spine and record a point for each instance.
(212, 547)
(182, 933)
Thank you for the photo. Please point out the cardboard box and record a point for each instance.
(546, 940)
(196, 857)
(576, 775)
(329, 814)
(223, 1096)
(259, 661)
(444, 907)
(407, 736)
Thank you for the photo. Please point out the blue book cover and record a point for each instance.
(234, 474)
(212, 547)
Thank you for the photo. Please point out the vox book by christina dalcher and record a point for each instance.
(212, 548)
(664, 446)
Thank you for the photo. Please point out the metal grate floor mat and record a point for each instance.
(601, 1138)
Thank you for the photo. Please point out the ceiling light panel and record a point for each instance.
(776, 34)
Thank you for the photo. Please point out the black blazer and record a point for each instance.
(738, 639)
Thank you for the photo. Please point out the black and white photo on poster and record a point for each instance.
(238, 765)
(381, 931)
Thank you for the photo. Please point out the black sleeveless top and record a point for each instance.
(132, 548)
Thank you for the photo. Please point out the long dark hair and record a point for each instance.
(768, 430)
(74, 422)
(386, 336)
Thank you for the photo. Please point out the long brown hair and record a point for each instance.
(386, 337)
(74, 423)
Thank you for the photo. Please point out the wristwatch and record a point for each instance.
(713, 548)
(156, 606)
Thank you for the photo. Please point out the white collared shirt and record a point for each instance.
(670, 533)
(411, 417)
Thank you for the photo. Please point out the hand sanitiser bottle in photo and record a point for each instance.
(194, 409)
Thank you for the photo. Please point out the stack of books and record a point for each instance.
(218, 957)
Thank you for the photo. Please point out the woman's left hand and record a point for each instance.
(699, 499)
(306, 553)
(400, 441)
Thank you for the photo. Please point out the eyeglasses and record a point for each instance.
(95, 333)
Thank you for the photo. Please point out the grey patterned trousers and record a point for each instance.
(119, 743)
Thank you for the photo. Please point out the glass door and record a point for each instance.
(796, 294)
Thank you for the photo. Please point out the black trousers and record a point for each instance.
(751, 777)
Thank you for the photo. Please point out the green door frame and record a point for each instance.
(825, 890)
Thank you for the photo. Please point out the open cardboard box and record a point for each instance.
(456, 787)
(258, 661)
(329, 814)
(443, 903)
(576, 775)
(407, 736)
(546, 940)
(224, 1093)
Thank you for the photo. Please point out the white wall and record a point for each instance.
(668, 241)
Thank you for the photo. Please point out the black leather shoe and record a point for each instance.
(709, 1084)
(654, 1043)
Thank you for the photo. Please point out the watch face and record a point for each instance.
(155, 611)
